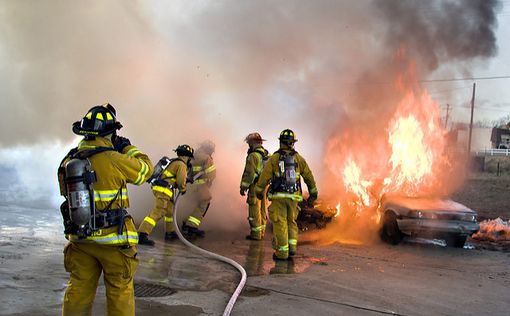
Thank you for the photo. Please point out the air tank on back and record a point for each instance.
(79, 194)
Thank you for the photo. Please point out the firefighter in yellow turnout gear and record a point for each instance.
(173, 176)
(204, 172)
(255, 160)
(284, 169)
(105, 241)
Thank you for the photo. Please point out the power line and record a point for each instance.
(493, 110)
(422, 81)
(435, 93)
(466, 107)
(466, 79)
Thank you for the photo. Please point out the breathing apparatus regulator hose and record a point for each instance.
(237, 292)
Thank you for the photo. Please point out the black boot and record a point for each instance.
(171, 236)
(143, 239)
(191, 231)
(275, 258)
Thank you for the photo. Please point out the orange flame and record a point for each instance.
(409, 157)
(417, 146)
(338, 207)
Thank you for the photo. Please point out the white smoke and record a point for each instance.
(181, 72)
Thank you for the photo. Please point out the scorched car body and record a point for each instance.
(426, 217)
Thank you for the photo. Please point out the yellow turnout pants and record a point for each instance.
(283, 213)
(85, 262)
(201, 195)
(163, 207)
(256, 214)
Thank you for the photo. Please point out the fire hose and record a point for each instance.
(237, 292)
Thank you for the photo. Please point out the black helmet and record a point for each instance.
(99, 121)
(184, 150)
(287, 136)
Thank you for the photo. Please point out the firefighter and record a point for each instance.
(284, 169)
(255, 160)
(204, 172)
(102, 236)
(173, 176)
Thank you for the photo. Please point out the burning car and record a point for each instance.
(426, 217)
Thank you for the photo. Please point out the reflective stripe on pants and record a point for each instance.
(202, 197)
(256, 215)
(283, 213)
(163, 207)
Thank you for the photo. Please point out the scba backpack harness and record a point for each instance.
(79, 211)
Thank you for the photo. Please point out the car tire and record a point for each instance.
(390, 232)
(456, 241)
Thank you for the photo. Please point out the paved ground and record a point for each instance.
(415, 278)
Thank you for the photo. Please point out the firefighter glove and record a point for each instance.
(120, 143)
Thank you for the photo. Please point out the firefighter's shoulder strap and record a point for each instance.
(75, 153)
(264, 155)
(171, 161)
(284, 162)
(160, 167)
(61, 167)
(283, 152)
(87, 153)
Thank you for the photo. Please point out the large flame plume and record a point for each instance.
(409, 156)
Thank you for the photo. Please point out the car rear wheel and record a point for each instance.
(389, 231)
(456, 241)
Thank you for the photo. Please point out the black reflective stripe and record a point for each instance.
(158, 176)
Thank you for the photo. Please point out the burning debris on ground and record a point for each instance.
(316, 216)
(494, 230)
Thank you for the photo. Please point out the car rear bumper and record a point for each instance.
(412, 226)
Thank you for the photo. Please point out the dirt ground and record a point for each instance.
(417, 277)
(487, 194)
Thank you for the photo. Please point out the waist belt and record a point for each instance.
(108, 219)
(101, 220)
(161, 183)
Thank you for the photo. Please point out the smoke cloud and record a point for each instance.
(183, 72)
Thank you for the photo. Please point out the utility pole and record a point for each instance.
(446, 118)
(471, 121)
